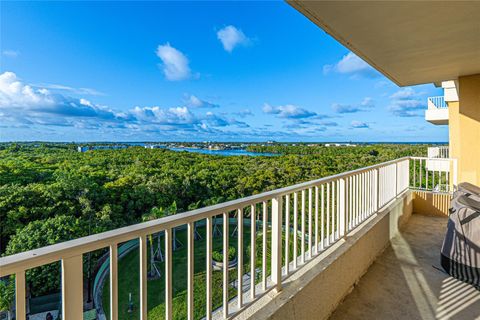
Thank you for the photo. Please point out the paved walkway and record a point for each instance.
(403, 283)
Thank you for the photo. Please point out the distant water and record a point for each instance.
(233, 152)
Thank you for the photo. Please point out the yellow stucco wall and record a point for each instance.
(431, 204)
(464, 126)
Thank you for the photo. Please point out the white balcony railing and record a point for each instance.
(437, 102)
(318, 213)
(433, 174)
(438, 152)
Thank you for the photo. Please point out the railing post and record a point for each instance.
(20, 306)
(342, 207)
(396, 179)
(168, 274)
(377, 189)
(143, 276)
(277, 242)
(113, 281)
(72, 288)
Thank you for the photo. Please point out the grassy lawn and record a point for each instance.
(128, 278)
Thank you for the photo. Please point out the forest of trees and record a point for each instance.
(51, 193)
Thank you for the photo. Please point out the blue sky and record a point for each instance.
(192, 71)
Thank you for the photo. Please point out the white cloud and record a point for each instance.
(195, 102)
(244, 113)
(158, 115)
(21, 104)
(231, 37)
(174, 63)
(288, 111)
(81, 91)
(27, 104)
(359, 124)
(406, 102)
(366, 104)
(10, 53)
(13, 93)
(351, 64)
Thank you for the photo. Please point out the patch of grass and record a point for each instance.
(128, 277)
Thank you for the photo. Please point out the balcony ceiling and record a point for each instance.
(410, 42)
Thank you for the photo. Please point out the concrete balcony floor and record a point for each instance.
(403, 283)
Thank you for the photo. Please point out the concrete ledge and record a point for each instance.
(317, 288)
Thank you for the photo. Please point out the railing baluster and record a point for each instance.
(426, 175)
(328, 214)
(350, 197)
(370, 193)
(414, 173)
(253, 255)
(287, 234)
(168, 274)
(72, 288)
(315, 249)
(264, 247)
(421, 174)
(190, 269)
(322, 223)
(143, 277)
(208, 260)
(302, 240)
(337, 210)
(295, 229)
(310, 235)
(113, 281)
(226, 279)
(355, 201)
(20, 305)
(341, 208)
(277, 243)
(240, 259)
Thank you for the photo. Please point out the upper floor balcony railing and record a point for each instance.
(438, 152)
(297, 223)
(437, 111)
(437, 102)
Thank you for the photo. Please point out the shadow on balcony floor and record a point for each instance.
(403, 284)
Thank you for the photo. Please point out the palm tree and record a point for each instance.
(177, 244)
(152, 215)
(196, 234)
(156, 213)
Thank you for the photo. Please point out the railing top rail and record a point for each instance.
(41, 256)
(433, 159)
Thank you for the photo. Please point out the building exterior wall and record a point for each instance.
(316, 289)
(464, 134)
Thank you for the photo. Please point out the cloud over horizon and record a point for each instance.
(288, 111)
(359, 124)
(22, 104)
